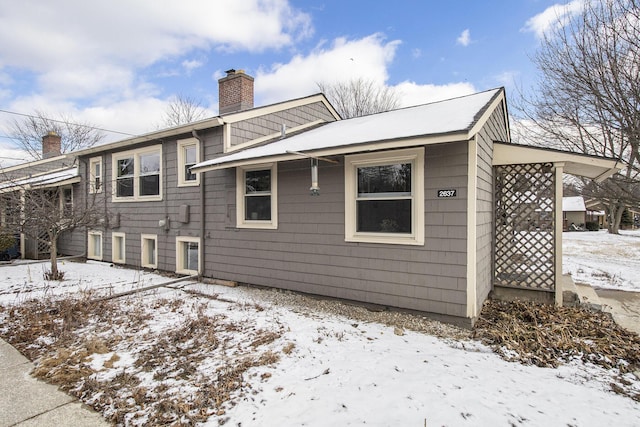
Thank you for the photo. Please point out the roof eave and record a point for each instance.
(342, 150)
(593, 167)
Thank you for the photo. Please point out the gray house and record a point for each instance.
(421, 208)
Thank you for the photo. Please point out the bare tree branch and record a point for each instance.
(182, 110)
(30, 130)
(588, 96)
(359, 97)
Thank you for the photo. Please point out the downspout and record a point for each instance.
(202, 245)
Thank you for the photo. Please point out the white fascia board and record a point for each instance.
(499, 101)
(598, 168)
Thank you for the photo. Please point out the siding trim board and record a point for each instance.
(472, 196)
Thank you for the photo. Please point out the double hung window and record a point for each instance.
(95, 175)
(385, 197)
(138, 175)
(188, 155)
(257, 197)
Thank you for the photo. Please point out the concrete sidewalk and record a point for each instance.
(26, 401)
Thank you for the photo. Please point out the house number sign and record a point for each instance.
(446, 193)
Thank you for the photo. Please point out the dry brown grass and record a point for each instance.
(62, 337)
(545, 335)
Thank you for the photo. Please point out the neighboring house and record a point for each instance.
(417, 208)
(55, 175)
(574, 213)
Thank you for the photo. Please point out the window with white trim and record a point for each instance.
(118, 248)
(149, 251)
(384, 196)
(94, 245)
(257, 196)
(188, 155)
(138, 174)
(187, 255)
(95, 175)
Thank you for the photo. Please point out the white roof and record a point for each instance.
(573, 204)
(60, 177)
(438, 118)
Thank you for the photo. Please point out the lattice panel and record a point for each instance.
(525, 226)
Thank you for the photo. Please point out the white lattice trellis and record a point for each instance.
(525, 227)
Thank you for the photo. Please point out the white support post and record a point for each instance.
(558, 231)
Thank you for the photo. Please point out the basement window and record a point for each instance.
(94, 245)
(187, 255)
(149, 252)
(118, 248)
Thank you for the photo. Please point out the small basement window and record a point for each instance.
(187, 255)
(149, 251)
(94, 245)
(118, 248)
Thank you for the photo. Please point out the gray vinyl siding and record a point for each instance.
(269, 124)
(493, 130)
(308, 251)
(142, 217)
(72, 243)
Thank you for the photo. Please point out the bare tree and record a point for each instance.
(182, 110)
(359, 97)
(29, 130)
(588, 96)
(44, 213)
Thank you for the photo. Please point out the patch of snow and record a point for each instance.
(603, 260)
(345, 373)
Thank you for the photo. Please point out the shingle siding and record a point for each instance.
(268, 124)
(308, 252)
(494, 130)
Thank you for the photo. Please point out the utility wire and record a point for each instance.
(66, 123)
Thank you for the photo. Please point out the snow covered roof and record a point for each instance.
(50, 179)
(573, 204)
(450, 117)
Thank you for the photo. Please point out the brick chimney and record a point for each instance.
(235, 92)
(51, 145)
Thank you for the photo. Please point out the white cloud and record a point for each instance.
(190, 65)
(553, 17)
(507, 78)
(344, 59)
(464, 38)
(73, 36)
(412, 93)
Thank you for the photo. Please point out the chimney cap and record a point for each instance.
(233, 71)
(52, 133)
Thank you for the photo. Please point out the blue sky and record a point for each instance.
(118, 63)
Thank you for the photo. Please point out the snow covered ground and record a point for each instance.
(344, 372)
(603, 260)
